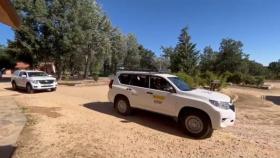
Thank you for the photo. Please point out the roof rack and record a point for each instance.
(142, 70)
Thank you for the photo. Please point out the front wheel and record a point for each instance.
(14, 85)
(29, 89)
(197, 125)
(122, 106)
(53, 89)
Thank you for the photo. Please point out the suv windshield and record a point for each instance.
(183, 86)
(35, 74)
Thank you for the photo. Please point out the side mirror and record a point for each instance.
(23, 76)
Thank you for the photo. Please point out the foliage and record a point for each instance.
(207, 60)
(188, 79)
(6, 61)
(208, 77)
(80, 39)
(259, 80)
(184, 57)
(230, 58)
(77, 36)
(248, 79)
(274, 67)
(147, 59)
(236, 78)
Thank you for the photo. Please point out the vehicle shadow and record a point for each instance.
(273, 99)
(23, 91)
(7, 151)
(148, 119)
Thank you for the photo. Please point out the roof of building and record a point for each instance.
(8, 14)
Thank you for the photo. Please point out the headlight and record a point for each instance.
(220, 104)
(35, 81)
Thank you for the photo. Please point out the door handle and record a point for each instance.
(149, 93)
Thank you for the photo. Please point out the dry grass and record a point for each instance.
(79, 122)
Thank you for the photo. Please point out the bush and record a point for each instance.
(248, 80)
(225, 75)
(259, 80)
(208, 77)
(95, 76)
(188, 79)
(236, 78)
(199, 81)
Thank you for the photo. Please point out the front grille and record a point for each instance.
(46, 81)
(47, 86)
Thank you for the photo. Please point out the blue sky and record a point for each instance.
(158, 23)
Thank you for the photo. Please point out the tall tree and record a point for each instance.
(147, 59)
(275, 68)
(6, 61)
(230, 58)
(132, 57)
(186, 55)
(207, 60)
(169, 59)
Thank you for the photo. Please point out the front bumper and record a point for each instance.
(224, 118)
(227, 119)
(44, 86)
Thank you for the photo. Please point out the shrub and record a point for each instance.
(224, 76)
(199, 81)
(248, 80)
(188, 79)
(95, 76)
(236, 78)
(259, 80)
(208, 76)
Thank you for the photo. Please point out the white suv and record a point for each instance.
(199, 111)
(33, 80)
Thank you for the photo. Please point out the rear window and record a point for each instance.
(124, 78)
(140, 80)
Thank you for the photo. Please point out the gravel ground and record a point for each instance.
(78, 122)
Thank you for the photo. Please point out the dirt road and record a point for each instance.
(78, 122)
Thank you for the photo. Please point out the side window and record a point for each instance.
(16, 73)
(140, 80)
(159, 83)
(124, 78)
(22, 73)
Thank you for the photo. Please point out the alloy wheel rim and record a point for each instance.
(194, 124)
(122, 106)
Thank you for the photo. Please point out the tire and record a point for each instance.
(29, 88)
(14, 85)
(196, 124)
(122, 106)
(53, 89)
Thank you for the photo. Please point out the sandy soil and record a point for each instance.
(78, 122)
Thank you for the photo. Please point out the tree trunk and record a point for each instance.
(58, 69)
(87, 60)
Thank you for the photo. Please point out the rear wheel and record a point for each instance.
(122, 106)
(196, 124)
(29, 88)
(14, 85)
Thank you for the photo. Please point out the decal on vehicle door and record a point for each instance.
(158, 99)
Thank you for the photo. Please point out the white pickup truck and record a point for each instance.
(198, 111)
(31, 80)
